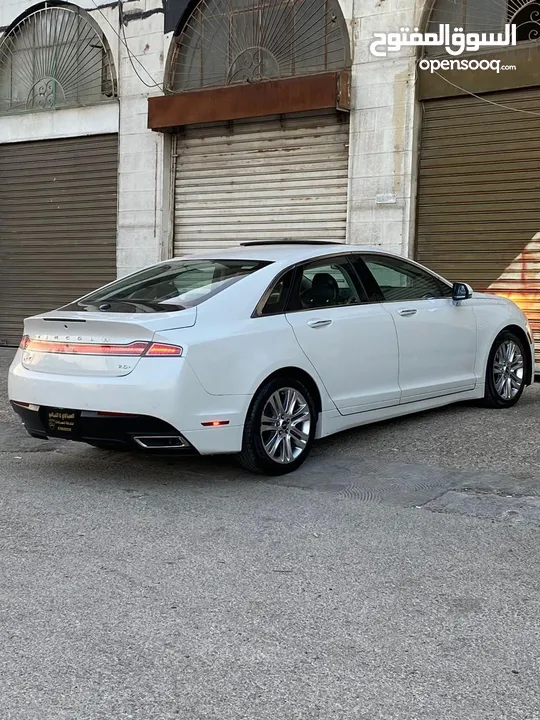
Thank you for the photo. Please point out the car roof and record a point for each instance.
(282, 252)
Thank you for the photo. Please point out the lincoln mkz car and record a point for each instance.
(262, 349)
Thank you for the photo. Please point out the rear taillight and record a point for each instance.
(162, 350)
(134, 349)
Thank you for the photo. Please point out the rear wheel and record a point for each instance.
(280, 428)
(506, 371)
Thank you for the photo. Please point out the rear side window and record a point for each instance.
(177, 285)
(278, 296)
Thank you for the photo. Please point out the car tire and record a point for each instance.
(280, 427)
(506, 371)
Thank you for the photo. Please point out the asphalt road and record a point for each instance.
(396, 575)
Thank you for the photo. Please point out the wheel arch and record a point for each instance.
(298, 374)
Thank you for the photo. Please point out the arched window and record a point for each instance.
(225, 42)
(526, 15)
(54, 57)
(487, 16)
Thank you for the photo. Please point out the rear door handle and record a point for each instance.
(407, 313)
(319, 323)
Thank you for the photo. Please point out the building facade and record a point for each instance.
(134, 131)
(478, 189)
(88, 190)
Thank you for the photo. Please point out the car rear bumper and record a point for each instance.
(162, 397)
(135, 432)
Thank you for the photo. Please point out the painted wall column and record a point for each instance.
(384, 123)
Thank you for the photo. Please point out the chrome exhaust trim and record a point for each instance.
(161, 442)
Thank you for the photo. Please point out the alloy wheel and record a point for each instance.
(285, 425)
(508, 370)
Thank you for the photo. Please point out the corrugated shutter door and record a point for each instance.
(273, 178)
(479, 194)
(58, 213)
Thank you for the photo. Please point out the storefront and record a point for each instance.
(58, 193)
(258, 106)
(478, 203)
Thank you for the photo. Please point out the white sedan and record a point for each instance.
(262, 349)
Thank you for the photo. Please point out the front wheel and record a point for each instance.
(280, 428)
(506, 371)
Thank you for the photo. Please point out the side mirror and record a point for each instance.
(461, 291)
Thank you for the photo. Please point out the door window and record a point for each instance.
(399, 280)
(326, 283)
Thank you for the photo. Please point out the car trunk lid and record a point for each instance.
(94, 344)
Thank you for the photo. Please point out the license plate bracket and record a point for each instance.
(62, 423)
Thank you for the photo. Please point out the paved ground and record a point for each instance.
(397, 575)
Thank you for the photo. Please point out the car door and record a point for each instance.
(436, 337)
(351, 342)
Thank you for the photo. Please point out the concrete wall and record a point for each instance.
(144, 156)
(385, 121)
(384, 126)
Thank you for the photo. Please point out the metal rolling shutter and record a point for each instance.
(58, 212)
(271, 178)
(479, 194)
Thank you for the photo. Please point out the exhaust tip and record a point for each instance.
(161, 442)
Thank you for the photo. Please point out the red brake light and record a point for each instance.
(134, 349)
(163, 350)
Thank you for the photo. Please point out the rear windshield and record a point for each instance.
(177, 285)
